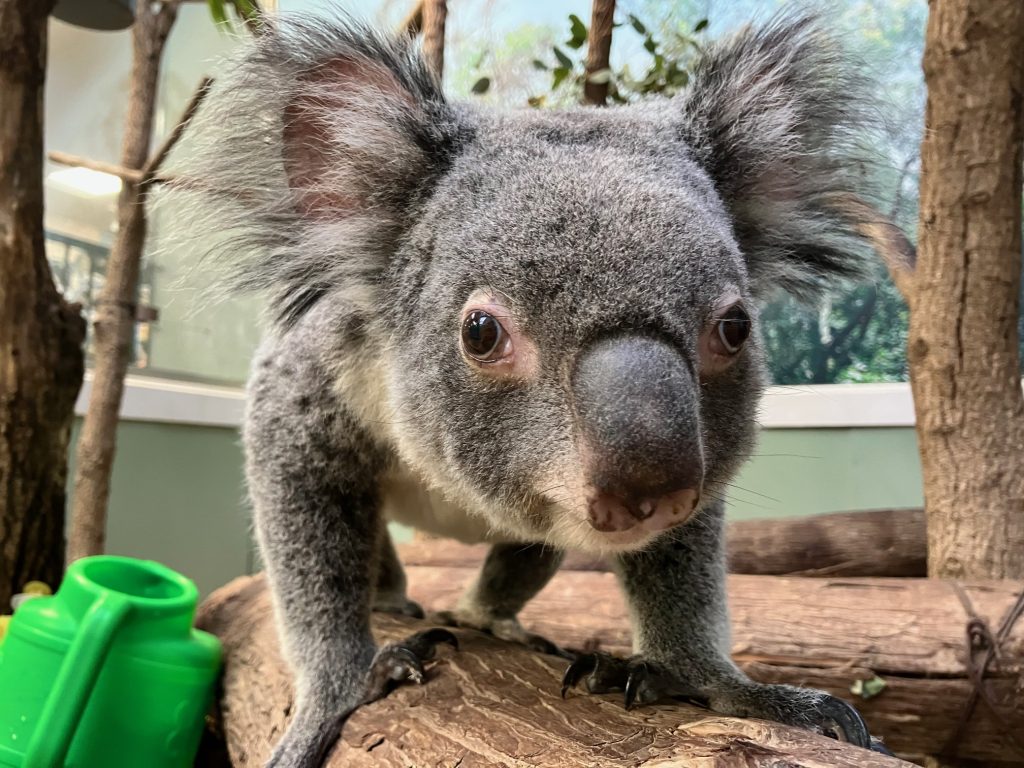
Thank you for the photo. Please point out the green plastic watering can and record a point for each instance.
(107, 673)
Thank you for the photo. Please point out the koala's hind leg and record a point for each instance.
(676, 591)
(390, 594)
(511, 575)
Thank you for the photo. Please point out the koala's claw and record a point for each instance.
(842, 722)
(641, 681)
(400, 662)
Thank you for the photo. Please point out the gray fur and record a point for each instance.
(370, 209)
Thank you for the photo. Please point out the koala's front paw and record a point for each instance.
(503, 628)
(400, 662)
(644, 682)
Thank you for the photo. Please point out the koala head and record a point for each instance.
(564, 304)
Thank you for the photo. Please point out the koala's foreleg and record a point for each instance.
(511, 575)
(312, 480)
(676, 591)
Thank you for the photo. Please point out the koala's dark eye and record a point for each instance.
(483, 338)
(732, 330)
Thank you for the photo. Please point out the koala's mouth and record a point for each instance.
(610, 514)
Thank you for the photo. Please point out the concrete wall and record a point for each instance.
(178, 495)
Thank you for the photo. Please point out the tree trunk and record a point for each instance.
(497, 704)
(41, 359)
(114, 323)
(599, 47)
(433, 16)
(963, 345)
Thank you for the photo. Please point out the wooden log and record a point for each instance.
(826, 633)
(881, 542)
(490, 704)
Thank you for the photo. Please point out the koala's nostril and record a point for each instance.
(609, 513)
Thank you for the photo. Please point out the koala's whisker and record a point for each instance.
(747, 490)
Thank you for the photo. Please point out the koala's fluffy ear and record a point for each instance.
(773, 115)
(319, 142)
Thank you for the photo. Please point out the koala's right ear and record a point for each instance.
(319, 142)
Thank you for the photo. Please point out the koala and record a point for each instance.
(533, 328)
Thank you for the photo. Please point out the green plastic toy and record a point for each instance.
(107, 673)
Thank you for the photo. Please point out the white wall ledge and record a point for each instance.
(174, 402)
(797, 407)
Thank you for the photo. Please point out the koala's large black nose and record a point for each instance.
(637, 410)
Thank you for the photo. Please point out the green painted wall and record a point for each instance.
(177, 497)
(178, 494)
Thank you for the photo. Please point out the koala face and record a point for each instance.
(575, 350)
(562, 304)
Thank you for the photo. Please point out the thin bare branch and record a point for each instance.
(152, 166)
(75, 161)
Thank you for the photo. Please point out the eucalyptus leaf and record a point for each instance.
(538, 64)
(701, 25)
(564, 60)
(559, 76)
(578, 32)
(637, 25)
(481, 86)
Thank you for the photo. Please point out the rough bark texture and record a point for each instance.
(881, 542)
(41, 336)
(434, 14)
(963, 346)
(496, 704)
(491, 704)
(599, 47)
(114, 323)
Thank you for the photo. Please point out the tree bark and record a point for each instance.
(41, 358)
(963, 342)
(879, 542)
(434, 14)
(114, 324)
(599, 48)
(497, 704)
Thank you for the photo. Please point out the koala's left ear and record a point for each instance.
(772, 115)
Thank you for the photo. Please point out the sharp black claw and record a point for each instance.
(576, 671)
(423, 644)
(841, 721)
(878, 746)
(636, 677)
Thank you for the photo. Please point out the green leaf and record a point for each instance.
(217, 11)
(868, 689)
(650, 45)
(481, 86)
(538, 64)
(637, 25)
(578, 32)
(536, 101)
(559, 76)
(564, 60)
(601, 76)
(701, 25)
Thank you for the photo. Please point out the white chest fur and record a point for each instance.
(406, 500)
